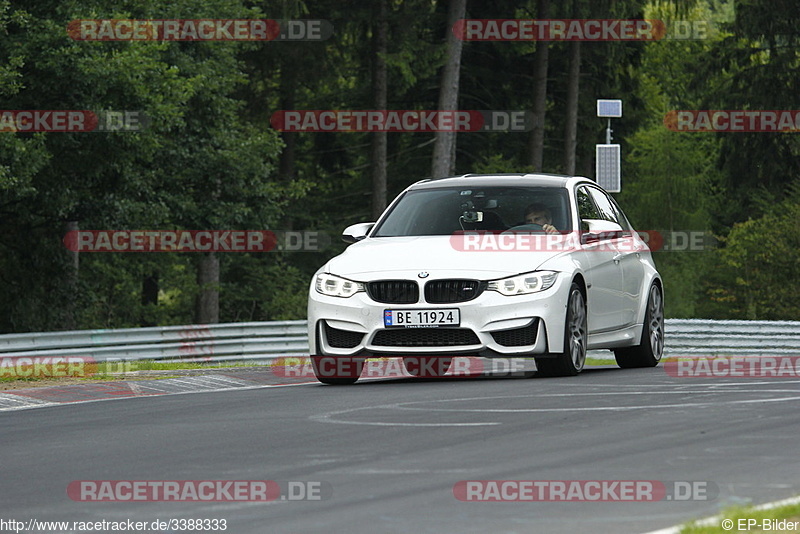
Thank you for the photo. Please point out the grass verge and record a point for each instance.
(753, 520)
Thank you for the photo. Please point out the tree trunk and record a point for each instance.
(571, 129)
(540, 62)
(288, 82)
(207, 302)
(379, 91)
(286, 161)
(72, 274)
(586, 165)
(149, 296)
(444, 147)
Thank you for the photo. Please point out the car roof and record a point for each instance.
(499, 179)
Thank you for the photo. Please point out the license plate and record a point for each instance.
(421, 318)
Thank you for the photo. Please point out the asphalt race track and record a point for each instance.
(386, 454)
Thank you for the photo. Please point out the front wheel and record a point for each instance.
(337, 371)
(651, 345)
(571, 361)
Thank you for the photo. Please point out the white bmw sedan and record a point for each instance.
(506, 265)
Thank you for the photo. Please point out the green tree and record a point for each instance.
(762, 257)
(200, 165)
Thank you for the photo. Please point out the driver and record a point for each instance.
(540, 214)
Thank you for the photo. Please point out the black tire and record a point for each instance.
(571, 361)
(651, 346)
(427, 366)
(337, 371)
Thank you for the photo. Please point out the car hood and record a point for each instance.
(439, 256)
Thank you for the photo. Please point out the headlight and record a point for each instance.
(524, 284)
(335, 286)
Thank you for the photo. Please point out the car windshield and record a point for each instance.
(445, 211)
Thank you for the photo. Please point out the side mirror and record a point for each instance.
(593, 230)
(588, 237)
(356, 232)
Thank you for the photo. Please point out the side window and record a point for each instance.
(623, 220)
(604, 207)
(586, 208)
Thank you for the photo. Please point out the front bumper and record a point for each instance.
(492, 325)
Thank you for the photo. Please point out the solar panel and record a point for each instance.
(608, 168)
(609, 108)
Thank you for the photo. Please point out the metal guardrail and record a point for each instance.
(700, 337)
(268, 340)
(218, 342)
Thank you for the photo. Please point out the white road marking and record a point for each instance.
(596, 408)
(331, 417)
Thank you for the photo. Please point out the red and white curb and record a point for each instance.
(22, 399)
